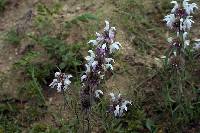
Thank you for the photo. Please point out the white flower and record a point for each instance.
(109, 66)
(170, 40)
(87, 68)
(187, 24)
(104, 46)
(177, 34)
(170, 19)
(98, 34)
(59, 86)
(91, 53)
(115, 46)
(108, 60)
(186, 43)
(176, 6)
(54, 83)
(57, 74)
(175, 54)
(99, 37)
(117, 111)
(66, 80)
(94, 64)
(189, 8)
(124, 105)
(114, 98)
(112, 33)
(120, 106)
(61, 81)
(98, 93)
(185, 35)
(83, 77)
(197, 44)
(107, 27)
(90, 59)
(93, 42)
(69, 76)
(181, 24)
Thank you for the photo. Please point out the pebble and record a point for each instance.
(78, 8)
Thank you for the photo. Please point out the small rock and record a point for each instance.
(78, 9)
(50, 100)
(65, 8)
(10, 58)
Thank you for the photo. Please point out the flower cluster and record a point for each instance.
(61, 81)
(180, 18)
(197, 44)
(180, 21)
(118, 106)
(99, 63)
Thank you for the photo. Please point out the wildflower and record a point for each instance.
(124, 105)
(176, 6)
(93, 42)
(98, 93)
(61, 81)
(54, 83)
(99, 62)
(107, 37)
(83, 78)
(180, 20)
(100, 37)
(117, 111)
(170, 19)
(108, 60)
(119, 106)
(115, 98)
(189, 8)
(187, 24)
(197, 44)
(170, 40)
(90, 59)
(112, 34)
(115, 46)
(107, 27)
(185, 35)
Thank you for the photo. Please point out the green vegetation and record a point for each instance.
(2, 5)
(12, 37)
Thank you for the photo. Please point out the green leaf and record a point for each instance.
(62, 65)
(87, 16)
(149, 124)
